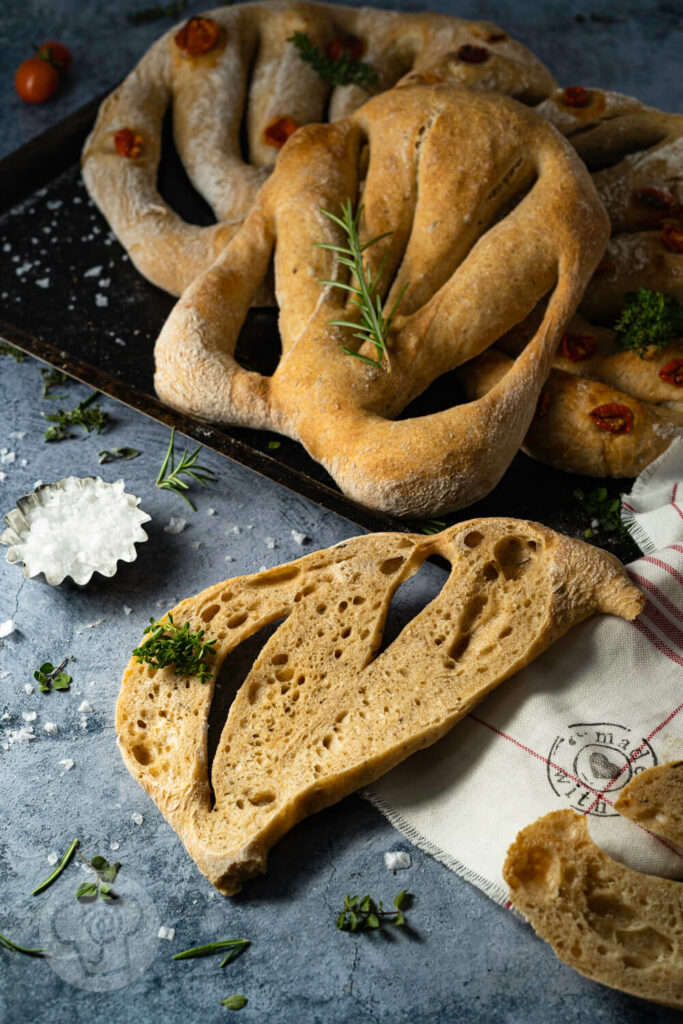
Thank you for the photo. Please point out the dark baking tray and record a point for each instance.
(70, 296)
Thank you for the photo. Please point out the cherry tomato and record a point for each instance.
(56, 54)
(36, 80)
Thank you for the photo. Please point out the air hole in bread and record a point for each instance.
(236, 620)
(490, 572)
(391, 565)
(473, 539)
(411, 596)
(514, 556)
(142, 753)
(275, 577)
(207, 614)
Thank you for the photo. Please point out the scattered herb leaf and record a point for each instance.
(373, 325)
(340, 71)
(49, 676)
(648, 322)
(106, 873)
(362, 914)
(168, 644)
(85, 415)
(57, 870)
(602, 509)
(169, 474)
(234, 945)
(16, 948)
(274, 445)
(52, 379)
(111, 454)
(236, 1002)
(11, 350)
(430, 526)
(170, 10)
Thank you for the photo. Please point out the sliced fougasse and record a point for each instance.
(654, 798)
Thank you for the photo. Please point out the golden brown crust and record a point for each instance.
(654, 799)
(253, 66)
(470, 279)
(614, 925)
(321, 713)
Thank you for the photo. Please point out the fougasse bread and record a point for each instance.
(614, 925)
(321, 712)
(654, 799)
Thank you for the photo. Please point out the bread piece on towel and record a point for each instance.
(321, 714)
(654, 799)
(614, 925)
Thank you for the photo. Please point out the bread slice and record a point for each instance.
(321, 713)
(654, 798)
(614, 925)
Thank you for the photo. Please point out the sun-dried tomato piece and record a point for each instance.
(197, 36)
(345, 44)
(128, 143)
(278, 131)
(578, 347)
(672, 373)
(577, 96)
(656, 198)
(613, 417)
(672, 237)
(473, 54)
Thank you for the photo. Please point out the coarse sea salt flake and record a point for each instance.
(6, 628)
(176, 524)
(397, 860)
(29, 716)
(114, 846)
(299, 538)
(269, 542)
(85, 708)
(166, 933)
(137, 818)
(67, 764)
(93, 272)
(8, 457)
(127, 609)
(101, 300)
(52, 858)
(28, 688)
(43, 282)
(51, 728)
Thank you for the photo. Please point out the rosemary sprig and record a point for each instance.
(16, 948)
(168, 644)
(373, 326)
(338, 71)
(234, 945)
(430, 526)
(170, 474)
(359, 914)
(110, 455)
(85, 415)
(57, 870)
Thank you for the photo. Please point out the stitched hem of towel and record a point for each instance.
(496, 892)
(630, 516)
(639, 534)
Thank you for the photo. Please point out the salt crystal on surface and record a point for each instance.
(269, 542)
(233, 529)
(263, 568)
(54, 204)
(85, 708)
(8, 457)
(67, 764)
(211, 511)
(51, 728)
(16, 435)
(197, 544)
(299, 538)
(166, 933)
(43, 282)
(176, 524)
(229, 558)
(101, 300)
(93, 272)
(6, 717)
(137, 818)
(114, 846)
(23, 269)
(24, 735)
(127, 610)
(29, 716)
(84, 722)
(6, 628)
(397, 860)
(28, 688)
(249, 526)
(3, 476)
(52, 858)
(119, 341)
(104, 282)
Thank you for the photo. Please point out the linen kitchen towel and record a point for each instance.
(601, 705)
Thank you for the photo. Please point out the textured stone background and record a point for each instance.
(466, 959)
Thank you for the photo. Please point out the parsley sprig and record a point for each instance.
(102, 888)
(340, 71)
(360, 915)
(57, 870)
(602, 509)
(50, 677)
(168, 644)
(235, 947)
(85, 415)
(648, 322)
(169, 477)
(373, 325)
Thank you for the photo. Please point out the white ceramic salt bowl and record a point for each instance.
(80, 553)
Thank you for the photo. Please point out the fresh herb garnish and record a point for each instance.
(430, 526)
(47, 675)
(648, 322)
(274, 445)
(52, 379)
(373, 326)
(338, 71)
(170, 10)
(16, 948)
(234, 945)
(11, 350)
(106, 874)
(360, 914)
(236, 1002)
(168, 644)
(57, 870)
(169, 474)
(85, 415)
(111, 454)
(603, 510)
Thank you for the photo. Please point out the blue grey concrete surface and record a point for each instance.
(463, 959)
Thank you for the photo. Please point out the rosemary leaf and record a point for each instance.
(338, 71)
(235, 945)
(56, 872)
(169, 477)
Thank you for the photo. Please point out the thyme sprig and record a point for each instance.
(102, 888)
(169, 477)
(342, 70)
(373, 325)
(85, 415)
(16, 948)
(236, 946)
(648, 322)
(361, 914)
(49, 676)
(57, 870)
(168, 644)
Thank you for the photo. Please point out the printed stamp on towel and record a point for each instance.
(591, 761)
